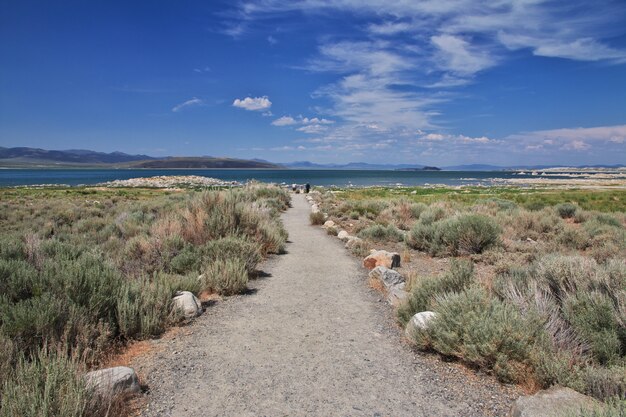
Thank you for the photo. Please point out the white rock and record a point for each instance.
(111, 381)
(329, 223)
(187, 303)
(420, 321)
(315, 208)
(343, 235)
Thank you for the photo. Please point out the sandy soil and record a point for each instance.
(313, 339)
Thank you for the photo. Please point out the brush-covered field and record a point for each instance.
(528, 284)
(84, 271)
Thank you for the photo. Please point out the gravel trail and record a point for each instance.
(310, 339)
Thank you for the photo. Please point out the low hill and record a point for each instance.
(23, 156)
(203, 162)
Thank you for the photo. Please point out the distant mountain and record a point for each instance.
(426, 168)
(351, 165)
(203, 162)
(35, 156)
(474, 167)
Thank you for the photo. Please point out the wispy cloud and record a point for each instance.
(284, 121)
(309, 123)
(406, 59)
(571, 139)
(253, 103)
(194, 102)
(202, 70)
(458, 56)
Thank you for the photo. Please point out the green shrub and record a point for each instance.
(467, 233)
(593, 316)
(47, 386)
(187, 260)
(538, 225)
(417, 209)
(566, 210)
(226, 276)
(605, 382)
(7, 358)
(484, 332)
(501, 204)
(233, 247)
(432, 214)
(11, 247)
(317, 218)
(19, 280)
(573, 238)
(144, 306)
(422, 296)
(272, 237)
(421, 236)
(381, 233)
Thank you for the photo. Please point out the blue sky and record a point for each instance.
(426, 82)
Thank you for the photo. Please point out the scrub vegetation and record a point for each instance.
(83, 271)
(529, 284)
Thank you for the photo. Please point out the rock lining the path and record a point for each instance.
(419, 322)
(112, 381)
(187, 303)
(554, 402)
(382, 258)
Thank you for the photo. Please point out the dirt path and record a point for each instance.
(310, 339)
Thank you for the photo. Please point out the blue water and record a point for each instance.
(14, 177)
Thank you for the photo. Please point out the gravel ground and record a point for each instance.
(309, 339)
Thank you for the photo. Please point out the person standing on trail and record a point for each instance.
(307, 188)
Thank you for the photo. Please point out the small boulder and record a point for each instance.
(554, 402)
(329, 223)
(343, 235)
(352, 240)
(419, 321)
(112, 381)
(382, 257)
(315, 208)
(187, 303)
(396, 294)
(388, 277)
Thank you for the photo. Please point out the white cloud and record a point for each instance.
(284, 121)
(389, 28)
(253, 103)
(315, 128)
(272, 40)
(391, 89)
(572, 139)
(458, 56)
(189, 103)
(316, 121)
(311, 125)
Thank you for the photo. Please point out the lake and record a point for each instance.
(357, 178)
